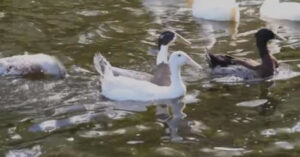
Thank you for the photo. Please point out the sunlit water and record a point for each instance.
(220, 117)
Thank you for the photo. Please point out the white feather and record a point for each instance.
(31, 64)
(102, 66)
(218, 10)
(123, 88)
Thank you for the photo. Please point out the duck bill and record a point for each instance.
(194, 64)
(181, 39)
(278, 37)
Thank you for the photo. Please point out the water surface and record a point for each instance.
(218, 118)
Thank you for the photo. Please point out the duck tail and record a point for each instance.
(218, 60)
(207, 57)
(102, 66)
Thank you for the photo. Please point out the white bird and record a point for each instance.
(217, 10)
(161, 72)
(37, 64)
(122, 88)
(284, 11)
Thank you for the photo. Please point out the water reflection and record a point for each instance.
(268, 108)
(265, 103)
(288, 29)
(165, 10)
(226, 151)
(211, 31)
(172, 115)
(34, 152)
(69, 118)
(168, 112)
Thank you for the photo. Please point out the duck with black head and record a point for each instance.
(161, 72)
(225, 65)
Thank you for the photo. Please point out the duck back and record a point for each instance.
(284, 10)
(218, 10)
(236, 71)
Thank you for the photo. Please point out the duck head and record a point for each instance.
(180, 58)
(168, 37)
(165, 39)
(263, 36)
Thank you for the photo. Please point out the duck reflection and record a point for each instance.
(210, 31)
(172, 115)
(163, 10)
(168, 112)
(270, 107)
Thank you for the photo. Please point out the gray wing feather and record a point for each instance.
(162, 75)
(132, 74)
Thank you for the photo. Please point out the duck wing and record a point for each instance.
(100, 63)
(226, 60)
(248, 63)
(132, 74)
(218, 60)
(162, 75)
(124, 88)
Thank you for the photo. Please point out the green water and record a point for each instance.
(69, 118)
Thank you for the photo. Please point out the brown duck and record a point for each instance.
(225, 65)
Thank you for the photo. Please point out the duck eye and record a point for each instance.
(179, 55)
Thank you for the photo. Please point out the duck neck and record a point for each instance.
(267, 68)
(177, 84)
(162, 56)
(262, 48)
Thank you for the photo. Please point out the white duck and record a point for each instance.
(122, 88)
(217, 10)
(283, 11)
(161, 73)
(36, 64)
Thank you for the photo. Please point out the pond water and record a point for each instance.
(70, 118)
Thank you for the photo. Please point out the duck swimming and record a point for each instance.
(161, 72)
(217, 10)
(284, 10)
(37, 64)
(122, 88)
(225, 65)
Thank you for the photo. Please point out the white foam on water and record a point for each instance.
(191, 97)
(2, 14)
(33, 152)
(91, 12)
(284, 145)
(252, 103)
